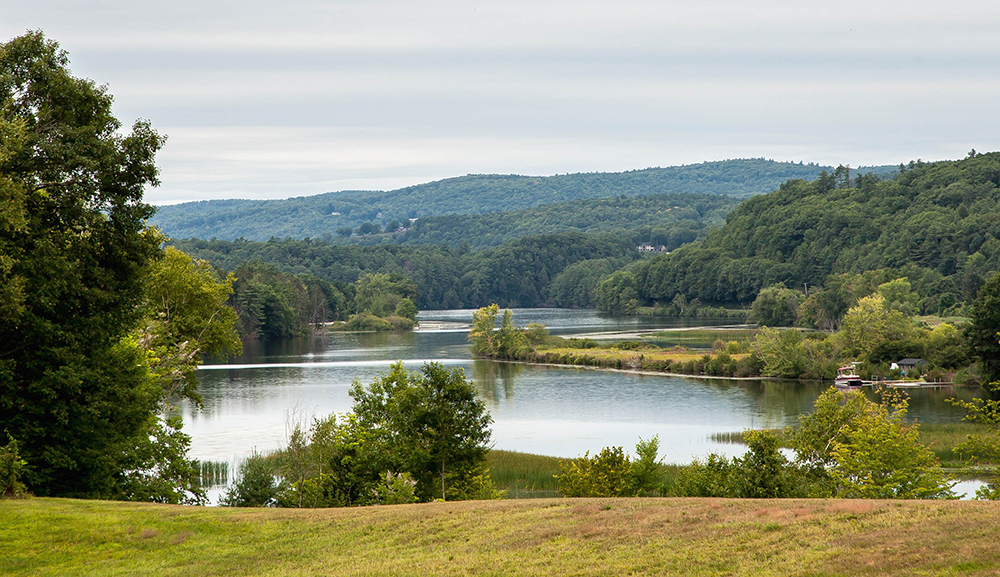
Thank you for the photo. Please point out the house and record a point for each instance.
(907, 365)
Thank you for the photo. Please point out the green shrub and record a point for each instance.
(256, 486)
(11, 468)
(367, 322)
(396, 489)
(400, 323)
(611, 473)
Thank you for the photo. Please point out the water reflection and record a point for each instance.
(495, 380)
(562, 411)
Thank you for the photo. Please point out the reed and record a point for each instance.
(212, 473)
(524, 475)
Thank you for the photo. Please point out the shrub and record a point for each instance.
(367, 322)
(611, 473)
(11, 468)
(397, 489)
(256, 486)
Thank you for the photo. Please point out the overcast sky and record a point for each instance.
(278, 99)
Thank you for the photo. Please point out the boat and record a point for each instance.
(847, 378)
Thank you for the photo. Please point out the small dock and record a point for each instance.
(909, 384)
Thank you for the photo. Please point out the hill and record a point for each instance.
(511, 537)
(671, 220)
(322, 215)
(936, 223)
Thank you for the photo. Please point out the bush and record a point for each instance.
(611, 473)
(396, 490)
(256, 486)
(400, 323)
(367, 322)
(11, 468)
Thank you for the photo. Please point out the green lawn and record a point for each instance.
(511, 537)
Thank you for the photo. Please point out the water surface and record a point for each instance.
(250, 401)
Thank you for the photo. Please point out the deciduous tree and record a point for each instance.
(73, 251)
(431, 422)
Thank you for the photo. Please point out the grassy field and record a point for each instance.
(513, 537)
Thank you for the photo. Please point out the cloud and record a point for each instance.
(267, 99)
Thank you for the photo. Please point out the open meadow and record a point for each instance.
(510, 537)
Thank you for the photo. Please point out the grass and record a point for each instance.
(514, 537)
(610, 353)
(524, 475)
(699, 338)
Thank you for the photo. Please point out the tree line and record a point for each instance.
(519, 273)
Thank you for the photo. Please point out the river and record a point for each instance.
(250, 401)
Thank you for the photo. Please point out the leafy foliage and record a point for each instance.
(488, 340)
(255, 485)
(431, 422)
(983, 330)
(186, 317)
(866, 449)
(73, 251)
(776, 306)
(516, 274)
(11, 468)
(763, 473)
(272, 304)
(611, 473)
(936, 224)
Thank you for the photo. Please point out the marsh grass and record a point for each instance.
(524, 475)
(512, 537)
(212, 473)
(701, 339)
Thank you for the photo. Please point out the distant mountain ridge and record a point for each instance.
(320, 216)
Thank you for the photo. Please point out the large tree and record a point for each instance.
(983, 331)
(73, 252)
(430, 423)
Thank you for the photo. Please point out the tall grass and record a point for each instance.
(212, 473)
(524, 475)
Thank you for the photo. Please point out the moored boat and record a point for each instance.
(847, 378)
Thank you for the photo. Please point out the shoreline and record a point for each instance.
(709, 377)
(642, 372)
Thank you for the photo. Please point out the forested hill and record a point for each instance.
(936, 223)
(671, 220)
(321, 216)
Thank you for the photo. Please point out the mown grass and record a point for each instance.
(941, 438)
(524, 475)
(512, 537)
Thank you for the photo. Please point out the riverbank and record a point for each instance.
(514, 537)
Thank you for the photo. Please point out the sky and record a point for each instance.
(279, 99)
